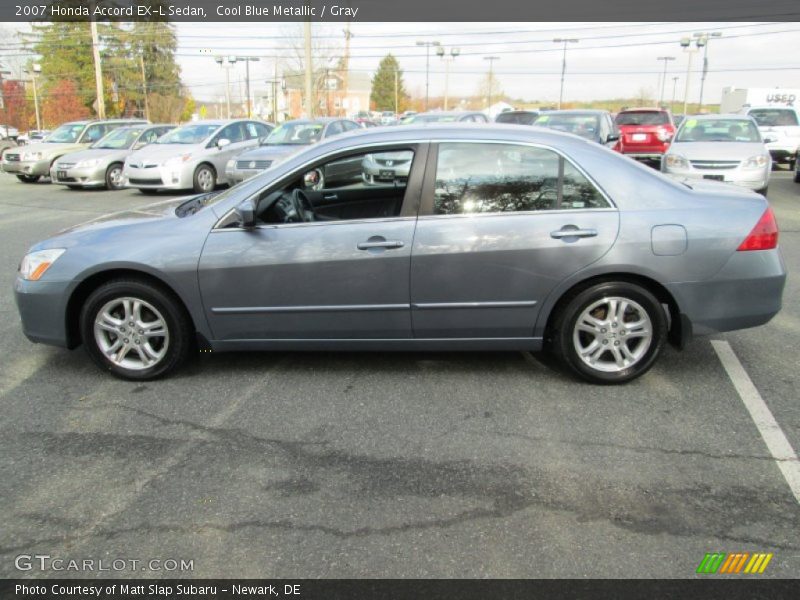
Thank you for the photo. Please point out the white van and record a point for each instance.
(780, 127)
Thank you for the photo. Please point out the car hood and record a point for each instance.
(161, 152)
(717, 150)
(49, 149)
(271, 152)
(94, 153)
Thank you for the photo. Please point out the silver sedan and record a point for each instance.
(502, 238)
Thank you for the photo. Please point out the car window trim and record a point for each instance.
(426, 206)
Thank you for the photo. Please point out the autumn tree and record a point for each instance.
(17, 111)
(388, 86)
(63, 103)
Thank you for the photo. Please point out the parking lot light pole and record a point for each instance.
(674, 87)
(35, 70)
(447, 58)
(686, 44)
(564, 41)
(701, 40)
(247, 60)
(666, 59)
(226, 62)
(491, 60)
(427, 45)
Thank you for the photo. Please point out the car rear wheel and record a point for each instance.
(114, 176)
(28, 178)
(611, 332)
(204, 179)
(135, 330)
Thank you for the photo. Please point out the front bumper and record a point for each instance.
(235, 176)
(40, 168)
(84, 177)
(756, 179)
(42, 307)
(747, 292)
(169, 177)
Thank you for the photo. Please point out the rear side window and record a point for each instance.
(774, 117)
(500, 178)
(643, 117)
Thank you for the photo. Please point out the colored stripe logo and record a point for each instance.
(734, 563)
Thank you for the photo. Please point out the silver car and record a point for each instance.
(100, 165)
(192, 156)
(33, 161)
(503, 238)
(284, 140)
(725, 148)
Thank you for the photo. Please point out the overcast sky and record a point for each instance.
(610, 60)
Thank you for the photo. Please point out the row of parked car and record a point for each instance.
(118, 153)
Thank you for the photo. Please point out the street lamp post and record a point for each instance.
(35, 70)
(564, 41)
(701, 40)
(226, 62)
(491, 60)
(447, 60)
(666, 59)
(686, 44)
(427, 45)
(674, 87)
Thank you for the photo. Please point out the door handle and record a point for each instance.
(574, 232)
(388, 244)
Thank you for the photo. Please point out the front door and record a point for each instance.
(500, 226)
(336, 269)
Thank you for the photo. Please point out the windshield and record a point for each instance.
(119, 139)
(586, 126)
(643, 117)
(66, 134)
(295, 133)
(189, 134)
(718, 130)
(774, 117)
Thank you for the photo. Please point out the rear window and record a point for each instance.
(643, 117)
(517, 118)
(774, 117)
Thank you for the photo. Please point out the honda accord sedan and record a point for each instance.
(501, 238)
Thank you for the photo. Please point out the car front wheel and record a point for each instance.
(611, 332)
(28, 178)
(135, 330)
(114, 177)
(204, 179)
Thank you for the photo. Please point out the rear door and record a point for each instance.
(500, 226)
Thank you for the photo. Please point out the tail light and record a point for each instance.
(764, 235)
(663, 135)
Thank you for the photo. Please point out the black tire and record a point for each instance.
(174, 348)
(797, 176)
(148, 191)
(28, 178)
(792, 164)
(75, 187)
(763, 191)
(204, 174)
(563, 330)
(114, 177)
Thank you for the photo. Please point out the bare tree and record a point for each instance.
(326, 55)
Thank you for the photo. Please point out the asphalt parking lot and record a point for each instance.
(390, 465)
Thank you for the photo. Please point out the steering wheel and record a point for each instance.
(302, 205)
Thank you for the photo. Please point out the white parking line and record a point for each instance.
(773, 435)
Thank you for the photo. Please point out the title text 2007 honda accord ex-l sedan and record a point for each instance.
(500, 237)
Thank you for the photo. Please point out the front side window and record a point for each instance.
(119, 139)
(233, 133)
(93, 134)
(295, 133)
(507, 178)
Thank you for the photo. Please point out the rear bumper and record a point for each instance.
(747, 292)
(39, 168)
(42, 308)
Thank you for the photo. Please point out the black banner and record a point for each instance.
(399, 10)
(405, 589)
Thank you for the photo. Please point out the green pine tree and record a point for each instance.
(382, 96)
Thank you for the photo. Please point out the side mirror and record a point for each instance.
(612, 137)
(314, 180)
(246, 215)
(222, 143)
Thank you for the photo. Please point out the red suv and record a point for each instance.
(645, 133)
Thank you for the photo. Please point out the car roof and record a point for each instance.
(714, 117)
(521, 111)
(644, 109)
(577, 111)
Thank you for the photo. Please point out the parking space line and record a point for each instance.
(768, 427)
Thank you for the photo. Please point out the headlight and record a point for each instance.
(35, 264)
(31, 156)
(177, 159)
(85, 164)
(676, 161)
(756, 162)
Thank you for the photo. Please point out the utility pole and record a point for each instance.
(701, 40)
(98, 73)
(35, 70)
(427, 44)
(491, 60)
(396, 98)
(309, 70)
(674, 87)
(447, 60)
(144, 87)
(226, 62)
(666, 59)
(564, 41)
(686, 43)
(346, 68)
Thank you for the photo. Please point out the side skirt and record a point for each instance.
(383, 345)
